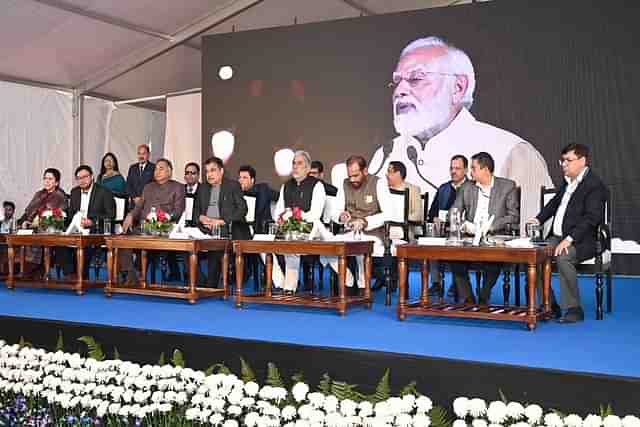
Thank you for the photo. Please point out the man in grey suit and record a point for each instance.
(478, 200)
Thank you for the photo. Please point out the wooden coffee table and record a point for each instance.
(148, 243)
(340, 249)
(533, 257)
(78, 242)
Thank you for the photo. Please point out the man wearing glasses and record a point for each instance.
(191, 178)
(433, 86)
(577, 210)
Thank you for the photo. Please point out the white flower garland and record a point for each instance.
(130, 392)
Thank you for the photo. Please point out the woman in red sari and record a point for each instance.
(51, 196)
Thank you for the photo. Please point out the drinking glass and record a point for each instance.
(533, 231)
(430, 230)
(106, 227)
(272, 229)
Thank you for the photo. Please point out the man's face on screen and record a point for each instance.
(423, 101)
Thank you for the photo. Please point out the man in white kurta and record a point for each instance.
(307, 193)
(434, 84)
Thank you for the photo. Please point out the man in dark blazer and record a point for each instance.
(220, 203)
(140, 174)
(96, 203)
(478, 200)
(264, 195)
(577, 211)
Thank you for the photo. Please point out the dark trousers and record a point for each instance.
(214, 264)
(460, 271)
(66, 257)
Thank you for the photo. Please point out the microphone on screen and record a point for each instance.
(387, 147)
(412, 154)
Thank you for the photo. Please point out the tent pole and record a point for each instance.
(77, 112)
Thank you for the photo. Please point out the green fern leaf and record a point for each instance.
(161, 361)
(606, 411)
(298, 377)
(95, 350)
(439, 417)
(246, 373)
(343, 390)
(325, 384)
(60, 342)
(218, 368)
(116, 353)
(383, 390)
(410, 389)
(503, 397)
(177, 359)
(273, 376)
(22, 343)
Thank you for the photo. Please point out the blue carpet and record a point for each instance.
(606, 347)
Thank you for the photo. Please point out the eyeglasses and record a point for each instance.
(414, 78)
(81, 177)
(190, 173)
(567, 161)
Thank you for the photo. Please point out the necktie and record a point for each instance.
(141, 168)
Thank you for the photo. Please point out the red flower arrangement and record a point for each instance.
(50, 218)
(291, 220)
(158, 222)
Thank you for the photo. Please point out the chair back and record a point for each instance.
(250, 217)
(122, 204)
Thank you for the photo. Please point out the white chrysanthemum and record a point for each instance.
(459, 423)
(288, 412)
(461, 407)
(317, 417)
(631, 421)
(348, 407)
(410, 400)
(477, 407)
(234, 410)
(495, 425)
(251, 388)
(553, 420)
(533, 413)
(316, 399)
(251, 419)
(497, 412)
(366, 409)
(305, 411)
(592, 421)
(515, 410)
(230, 423)
(302, 423)
(404, 420)
(479, 422)
(521, 424)
(216, 419)
(279, 394)
(573, 420)
(330, 403)
(300, 391)
(612, 421)
(421, 420)
(395, 404)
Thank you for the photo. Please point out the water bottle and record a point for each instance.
(454, 225)
(153, 213)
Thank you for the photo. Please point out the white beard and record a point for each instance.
(428, 119)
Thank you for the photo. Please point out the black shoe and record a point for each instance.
(435, 289)
(573, 315)
(556, 311)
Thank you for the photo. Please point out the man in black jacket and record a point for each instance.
(96, 203)
(220, 203)
(264, 195)
(577, 211)
(140, 174)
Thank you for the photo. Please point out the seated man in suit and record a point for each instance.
(307, 193)
(264, 194)
(140, 174)
(163, 193)
(95, 203)
(220, 203)
(577, 210)
(487, 195)
(317, 171)
(7, 224)
(442, 202)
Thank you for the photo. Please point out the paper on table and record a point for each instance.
(433, 241)
(524, 242)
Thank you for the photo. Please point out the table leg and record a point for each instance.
(368, 268)
(424, 292)
(80, 268)
(531, 292)
(11, 254)
(342, 283)
(143, 264)
(268, 267)
(239, 276)
(193, 275)
(47, 262)
(110, 275)
(23, 260)
(225, 273)
(116, 266)
(506, 285)
(546, 286)
(402, 291)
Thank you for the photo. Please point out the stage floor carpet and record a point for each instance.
(607, 347)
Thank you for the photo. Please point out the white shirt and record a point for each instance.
(482, 207)
(84, 200)
(373, 221)
(318, 198)
(514, 158)
(566, 197)
(191, 189)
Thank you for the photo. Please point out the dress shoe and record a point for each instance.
(556, 311)
(573, 315)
